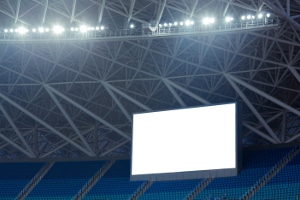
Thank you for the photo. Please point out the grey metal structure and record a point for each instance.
(74, 98)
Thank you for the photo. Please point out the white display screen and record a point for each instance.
(184, 140)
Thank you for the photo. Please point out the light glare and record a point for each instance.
(57, 29)
(208, 20)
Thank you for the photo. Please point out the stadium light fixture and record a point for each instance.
(21, 30)
(41, 30)
(102, 28)
(131, 26)
(181, 23)
(248, 16)
(208, 20)
(228, 19)
(11, 30)
(165, 24)
(83, 29)
(57, 29)
(47, 30)
(175, 23)
(268, 15)
(5, 30)
(188, 22)
(97, 28)
(33, 30)
(260, 15)
(243, 17)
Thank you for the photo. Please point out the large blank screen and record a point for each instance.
(184, 140)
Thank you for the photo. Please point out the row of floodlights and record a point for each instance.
(57, 29)
(211, 20)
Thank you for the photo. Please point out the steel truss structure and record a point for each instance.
(75, 99)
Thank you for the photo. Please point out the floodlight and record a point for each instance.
(228, 19)
(192, 22)
(97, 28)
(5, 30)
(102, 27)
(208, 20)
(268, 15)
(11, 30)
(253, 17)
(72, 29)
(187, 23)
(57, 29)
(170, 24)
(131, 26)
(21, 30)
(243, 17)
(47, 30)
(41, 30)
(248, 16)
(165, 24)
(33, 30)
(160, 25)
(181, 23)
(260, 15)
(175, 23)
(83, 29)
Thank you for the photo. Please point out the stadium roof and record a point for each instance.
(72, 95)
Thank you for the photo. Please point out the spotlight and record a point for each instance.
(268, 15)
(83, 29)
(22, 30)
(102, 28)
(47, 30)
(33, 30)
(97, 28)
(187, 23)
(170, 24)
(72, 29)
(260, 15)
(58, 29)
(243, 17)
(5, 30)
(41, 30)
(192, 23)
(175, 23)
(208, 20)
(181, 23)
(11, 30)
(228, 19)
(131, 26)
(248, 16)
(160, 25)
(253, 17)
(165, 24)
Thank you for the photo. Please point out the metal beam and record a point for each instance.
(101, 9)
(10, 101)
(15, 145)
(45, 12)
(113, 148)
(174, 93)
(126, 96)
(200, 99)
(65, 114)
(13, 125)
(132, 3)
(77, 105)
(123, 109)
(251, 107)
(73, 10)
(160, 12)
(261, 134)
(265, 95)
(18, 10)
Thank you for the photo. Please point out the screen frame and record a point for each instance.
(200, 174)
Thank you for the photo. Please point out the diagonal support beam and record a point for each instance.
(18, 11)
(132, 3)
(45, 12)
(127, 96)
(73, 10)
(260, 133)
(101, 9)
(34, 117)
(200, 99)
(117, 101)
(174, 93)
(251, 107)
(113, 148)
(13, 125)
(63, 111)
(160, 12)
(263, 94)
(12, 143)
(77, 105)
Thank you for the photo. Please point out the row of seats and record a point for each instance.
(65, 179)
